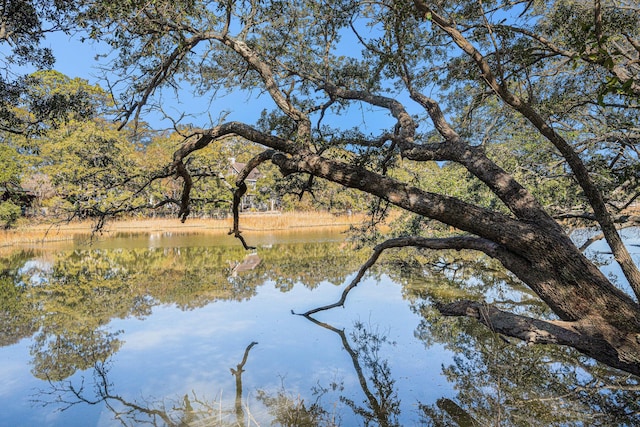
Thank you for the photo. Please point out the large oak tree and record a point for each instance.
(443, 82)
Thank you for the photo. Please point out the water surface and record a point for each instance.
(173, 329)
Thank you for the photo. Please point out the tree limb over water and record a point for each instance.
(579, 334)
(457, 243)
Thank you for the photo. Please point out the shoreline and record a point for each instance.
(30, 233)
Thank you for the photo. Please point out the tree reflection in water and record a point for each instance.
(500, 381)
(66, 304)
(381, 404)
(498, 384)
(504, 382)
(189, 411)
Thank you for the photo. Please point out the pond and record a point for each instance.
(192, 330)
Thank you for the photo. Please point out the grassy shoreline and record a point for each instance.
(29, 233)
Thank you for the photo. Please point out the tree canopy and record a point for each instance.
(504, 121)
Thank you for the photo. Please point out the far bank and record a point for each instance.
(30, 232)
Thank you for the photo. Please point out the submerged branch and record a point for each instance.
(532, 331)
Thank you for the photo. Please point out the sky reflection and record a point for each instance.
(171, 352)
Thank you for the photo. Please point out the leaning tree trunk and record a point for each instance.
(596, 318)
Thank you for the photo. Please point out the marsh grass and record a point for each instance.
(37, 233)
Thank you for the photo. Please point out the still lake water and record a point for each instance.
(166, 329)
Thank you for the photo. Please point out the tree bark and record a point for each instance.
(590, 336)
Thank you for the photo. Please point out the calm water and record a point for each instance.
(192, 330)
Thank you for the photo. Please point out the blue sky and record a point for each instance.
(77, 59)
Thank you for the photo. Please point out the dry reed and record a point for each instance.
(39, 233)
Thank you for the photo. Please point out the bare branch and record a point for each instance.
(161, 75)
(457, 243)
(266, 73)
(406, 123)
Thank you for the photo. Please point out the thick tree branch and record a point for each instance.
(194, 144)
(465, 216)
(595, 343)
(254, 163)
(436, 115)
(234, 128)
(181, 171)
(520, 201)
(532, 331)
